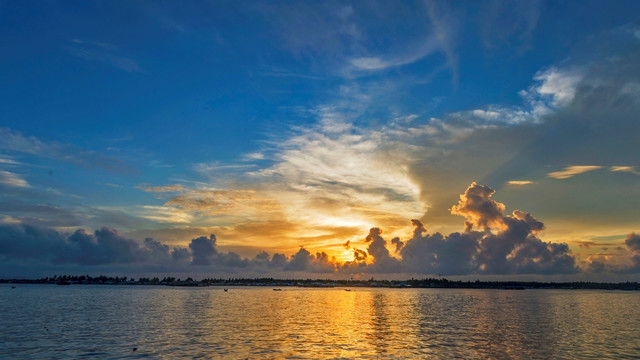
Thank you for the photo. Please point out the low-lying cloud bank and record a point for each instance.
(492, 243)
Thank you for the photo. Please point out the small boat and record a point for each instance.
(13, 287)
(277, 289)
(347, 289)
(225, 290)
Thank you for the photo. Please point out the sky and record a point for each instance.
(468, 139)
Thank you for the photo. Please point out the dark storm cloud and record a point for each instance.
(22, 243)
(203, 250)
(104, 246)
(303, 260)
(432, 254)
(383, 262)
(633, 242)
(504, 244)
(398, 243)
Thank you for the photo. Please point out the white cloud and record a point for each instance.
(6, 160)
(519, 182)
(553, 89)
(253, 156)
(105, 53)
(558, 85)
(165, 214)
(10, 179)
(327, 174)
(373, 63)
(629, 169)
(571, 171)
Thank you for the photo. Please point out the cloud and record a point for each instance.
(629, 169)
(444, 33)
(104, 246)
(103, 52)
(334, 173)
(519, 182)
(165, 214)
(558, 86)
(622, 261)
(203, 250)
(253, 156)
(429, 46)
(163, 189)
(206, 204)
(313, 30)
(15, 141)
(23, 244)
(476, 205)
(383, 262)
(219, 201)
(633, 242)
(304, 261)
(553, 90)
(10, 179)
(513, 249)
(571, 171)
(508, 24)
(8, 160)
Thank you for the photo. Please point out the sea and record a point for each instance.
(160, 322)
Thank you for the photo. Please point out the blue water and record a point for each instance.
(108, 322)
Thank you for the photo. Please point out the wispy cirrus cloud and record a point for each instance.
(519, 182)
(162, 189)
(376, 63)
(571, 171)
(12, 140)
(183, 204)
(628, 169)
(104, 53)
(10, 179)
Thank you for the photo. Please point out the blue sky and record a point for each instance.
(282, 126)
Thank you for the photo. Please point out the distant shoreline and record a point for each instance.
(323, 283)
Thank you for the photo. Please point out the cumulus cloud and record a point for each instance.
(493, 243)
(22, 243)
(476, 205)
(513, 248)
(622, 260)
(633, 242)
(104, 246)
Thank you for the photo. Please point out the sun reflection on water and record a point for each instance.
(249, 322)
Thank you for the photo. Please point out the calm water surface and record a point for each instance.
(61, 322)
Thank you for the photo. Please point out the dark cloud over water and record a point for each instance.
(493, 243)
